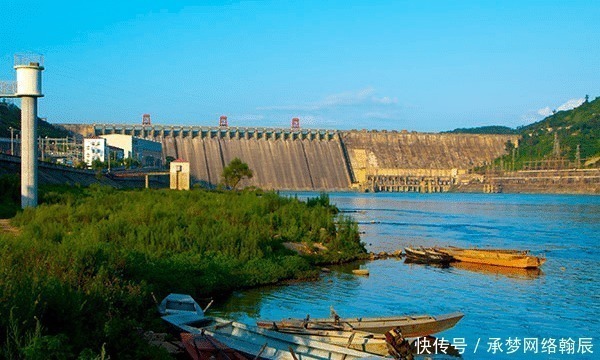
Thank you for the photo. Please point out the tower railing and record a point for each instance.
(8, 88)
(29, 59)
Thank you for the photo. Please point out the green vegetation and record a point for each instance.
(10, 200)
(10, 116)
(572, 129)
(235, 172)
(575, 128)
(78, 279)
(494, 129)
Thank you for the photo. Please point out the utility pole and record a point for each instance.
(12, 145)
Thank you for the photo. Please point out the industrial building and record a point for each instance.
(94, 148)
(147, 152)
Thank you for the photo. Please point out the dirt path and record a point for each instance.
(6, 227)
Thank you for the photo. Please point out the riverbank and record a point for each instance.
(78, 279)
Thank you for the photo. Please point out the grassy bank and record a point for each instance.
(78, 278)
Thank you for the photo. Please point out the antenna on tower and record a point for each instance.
(223, 121)
(295, 123)
(146, 119)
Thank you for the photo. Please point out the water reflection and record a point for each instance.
(510, 272)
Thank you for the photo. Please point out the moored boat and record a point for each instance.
(427, 256)
(410, 326)
(496, 257)
(186, 315)
(511, 272)
(203, 346)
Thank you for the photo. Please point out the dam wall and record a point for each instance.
(277, 164)
(420, 162)
(285, 159)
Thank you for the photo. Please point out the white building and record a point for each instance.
(94, 149)
(147, 152)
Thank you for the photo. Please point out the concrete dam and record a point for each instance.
(285, 159)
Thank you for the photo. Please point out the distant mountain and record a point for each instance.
(10, 116)
(495, 129)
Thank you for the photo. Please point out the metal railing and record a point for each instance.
(29, 59)
(8, 88)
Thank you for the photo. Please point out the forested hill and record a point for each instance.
(570, 128)
(495, 129)
(10, 116)
(579, 126)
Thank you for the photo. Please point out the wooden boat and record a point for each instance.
(410, 326)
(203, 346)
(510, 272)
(358, 340)
(427, 256)
(497, 257)
(251, 340)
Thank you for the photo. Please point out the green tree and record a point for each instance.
(235, 172)
(97, 164)
(509, 146)
(168, 160)
(131, 163)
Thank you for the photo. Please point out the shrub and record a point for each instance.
(88, 259)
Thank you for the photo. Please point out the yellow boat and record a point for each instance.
(496, 257)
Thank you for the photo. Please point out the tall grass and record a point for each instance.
(77, 281)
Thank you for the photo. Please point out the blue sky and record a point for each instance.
(415, 65)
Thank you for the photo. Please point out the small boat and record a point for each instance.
(358, 340)
(203, 346)
(427, 256)
(511, 272)
(410, 326)
(496, 257)
(186, 315)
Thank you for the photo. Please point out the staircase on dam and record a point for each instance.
(285, 159)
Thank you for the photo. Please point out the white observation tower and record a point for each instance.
(29, 87)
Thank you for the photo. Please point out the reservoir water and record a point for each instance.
(549, 314)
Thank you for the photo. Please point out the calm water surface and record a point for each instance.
(561, 301)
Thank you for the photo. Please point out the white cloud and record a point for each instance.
(385, 100)
(545, 111)
(247, 117)
(379, 115)
(289, 107)
(348, 98)
(570, 104)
